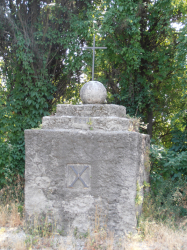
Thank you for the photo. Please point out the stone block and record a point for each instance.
(78, 174)
(91, 110)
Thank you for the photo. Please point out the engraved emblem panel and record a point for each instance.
(78, 176)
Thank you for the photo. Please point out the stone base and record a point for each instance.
(77, 175)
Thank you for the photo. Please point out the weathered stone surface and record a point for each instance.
(87, 123)
(79, 166)
(93, 92)
(114, 159)
(91, 110)
(89, 117)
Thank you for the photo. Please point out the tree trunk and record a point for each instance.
(150, 122)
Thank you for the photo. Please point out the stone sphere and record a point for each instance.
(93, 92)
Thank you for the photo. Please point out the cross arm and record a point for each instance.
(95, 48)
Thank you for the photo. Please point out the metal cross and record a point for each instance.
(78, 176)
(93, 48)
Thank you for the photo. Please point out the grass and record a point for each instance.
(10, 215)
(164, 236)
(12, 200)
(158, 236)
(151, 233)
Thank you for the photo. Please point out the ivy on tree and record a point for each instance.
(38, 44)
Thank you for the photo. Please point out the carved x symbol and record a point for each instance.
(78, 176)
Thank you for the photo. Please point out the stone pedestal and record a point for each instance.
(84, 163)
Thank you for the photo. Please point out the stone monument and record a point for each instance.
(86, 158)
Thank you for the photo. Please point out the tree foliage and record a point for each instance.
(144, 67)
(38, 44)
